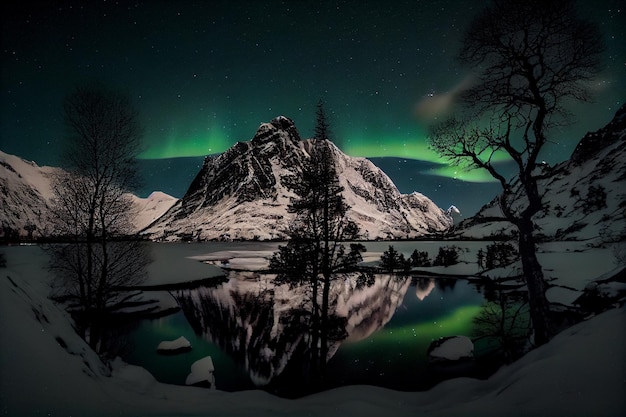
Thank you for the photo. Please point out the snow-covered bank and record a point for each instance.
(45, 369)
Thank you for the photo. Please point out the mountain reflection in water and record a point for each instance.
(266, 328)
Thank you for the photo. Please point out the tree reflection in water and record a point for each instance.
(266, 328)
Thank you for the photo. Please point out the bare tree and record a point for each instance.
(92, 209)
(531, 58)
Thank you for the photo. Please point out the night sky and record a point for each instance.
(205, 74)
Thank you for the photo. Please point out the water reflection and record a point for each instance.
(267, 327)
(424, 287)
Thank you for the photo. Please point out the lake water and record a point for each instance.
(258, 334)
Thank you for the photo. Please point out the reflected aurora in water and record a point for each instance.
(258, 336)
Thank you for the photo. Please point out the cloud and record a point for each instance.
(434, 106)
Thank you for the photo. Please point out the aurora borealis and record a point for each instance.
(205, 74)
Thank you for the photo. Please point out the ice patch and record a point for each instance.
(174, 346)
(451, 349)
(202, 372)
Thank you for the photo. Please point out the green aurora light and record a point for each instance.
(202, 83)
(177, 145)
(416, 149)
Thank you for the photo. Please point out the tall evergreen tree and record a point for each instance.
(315, 252)
(322, 127)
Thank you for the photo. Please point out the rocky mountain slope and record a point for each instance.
(240, 194)
(584, 197)
(25, 191)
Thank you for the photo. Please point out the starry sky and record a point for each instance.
(205, 74)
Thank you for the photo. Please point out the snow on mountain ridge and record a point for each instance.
(240, 194)
(594, 142)
(584, 197)
(27, 192)
(151, 208)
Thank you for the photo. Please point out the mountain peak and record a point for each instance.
(279, 128)
(240, 194)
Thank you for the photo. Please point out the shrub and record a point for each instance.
(596, 199)
(447, 255)
(500, 254)
(391, 260)
(419, 258)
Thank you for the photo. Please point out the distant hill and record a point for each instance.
(584, 197)
(26, 193)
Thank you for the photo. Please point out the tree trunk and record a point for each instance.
(315, 325)
(533, 275)
(324, 324)
(104, 267)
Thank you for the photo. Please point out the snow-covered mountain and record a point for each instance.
(151, 208)
(584, 197)
(240, 194)
(25, 189)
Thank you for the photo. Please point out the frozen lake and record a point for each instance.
(253, 330)
(258, 337)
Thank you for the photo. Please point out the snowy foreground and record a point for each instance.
(46, 369)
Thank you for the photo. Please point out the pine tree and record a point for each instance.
(447, 255)
(391, 259)
(315, 252)
(419, 258)
(322, 127)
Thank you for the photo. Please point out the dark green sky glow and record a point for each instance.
(205, 74)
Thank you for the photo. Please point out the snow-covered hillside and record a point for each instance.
(584, 197)
(240, 194)
(151, 208)
(26, 191)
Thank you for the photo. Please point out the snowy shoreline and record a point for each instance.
(581, 372)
